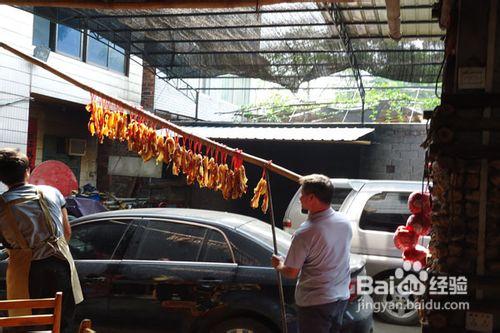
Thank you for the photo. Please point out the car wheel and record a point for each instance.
(241, 325)
(395, 308)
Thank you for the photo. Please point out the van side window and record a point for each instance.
(339, 195)
(385, 211)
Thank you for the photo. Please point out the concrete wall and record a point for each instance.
(395, 152)
(14, 78)
(167, 98)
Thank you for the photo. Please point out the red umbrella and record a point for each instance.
(56, 174)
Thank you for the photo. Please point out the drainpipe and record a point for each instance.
(394, 18)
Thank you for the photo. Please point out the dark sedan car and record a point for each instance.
(170, 270)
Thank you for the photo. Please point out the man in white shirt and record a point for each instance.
(320, 253)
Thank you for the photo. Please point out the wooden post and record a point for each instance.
(483, 185)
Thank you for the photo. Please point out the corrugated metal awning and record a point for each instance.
(324, 134)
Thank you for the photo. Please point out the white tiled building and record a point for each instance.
(39, 112)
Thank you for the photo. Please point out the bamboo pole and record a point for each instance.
(284, 327)
(155, 119)
(190, 4)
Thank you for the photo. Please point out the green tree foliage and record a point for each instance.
(387, 103)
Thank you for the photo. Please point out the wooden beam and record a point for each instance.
(155, 119)
(114, 5)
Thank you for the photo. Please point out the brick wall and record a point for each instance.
(395, 152)
(148, 89)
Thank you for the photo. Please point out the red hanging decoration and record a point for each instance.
(419, 202)
(416, 253)
(237, 159)
(405, 238)
(420, 223)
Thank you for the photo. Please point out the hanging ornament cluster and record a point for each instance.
(209, 170)
(418, 225)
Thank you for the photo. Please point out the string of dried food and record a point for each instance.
(261, 191)
(108, 120)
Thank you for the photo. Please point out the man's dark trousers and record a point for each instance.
(324, 318)
(48, 276)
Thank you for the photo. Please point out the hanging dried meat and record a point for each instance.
(109, 121)
(260, 191)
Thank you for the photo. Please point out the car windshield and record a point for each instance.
(263, 232)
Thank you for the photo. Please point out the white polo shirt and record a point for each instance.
(320, 249)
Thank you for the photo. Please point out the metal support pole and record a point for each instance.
(362, 110)
(340, 23)
(278, 274)
(197, 100)
(257, 26)
(238, 12)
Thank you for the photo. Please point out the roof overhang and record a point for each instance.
(275, 132)
(154, 4)
(286, 42)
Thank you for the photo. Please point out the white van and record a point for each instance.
(375, 208)
(294, 215)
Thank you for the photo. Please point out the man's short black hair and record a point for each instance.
(13, 165)
(319, 185)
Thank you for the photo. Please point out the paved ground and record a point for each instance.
(381, 327)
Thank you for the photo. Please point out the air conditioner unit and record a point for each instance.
(77, 147)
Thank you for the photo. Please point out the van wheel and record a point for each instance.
(241, 325)
(394, 308)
